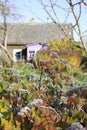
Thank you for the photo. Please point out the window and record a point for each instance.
(31, 51)
(31, 54)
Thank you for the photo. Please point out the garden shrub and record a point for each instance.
(39, 99)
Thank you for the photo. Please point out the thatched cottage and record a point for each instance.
(20, 35)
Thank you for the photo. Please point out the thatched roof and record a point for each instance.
(37, 33)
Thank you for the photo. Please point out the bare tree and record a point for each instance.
(77, 18)
(51, 6)
(5, 13)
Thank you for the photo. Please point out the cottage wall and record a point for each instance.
(32, 50)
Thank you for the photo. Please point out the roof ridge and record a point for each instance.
(38, 24)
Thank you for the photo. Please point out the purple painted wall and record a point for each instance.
(33, 48)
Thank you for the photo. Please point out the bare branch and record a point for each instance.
(85, 3)
(56, 20)
(52, 7)
(32, 11)
(78, 3)
(7, 52)
(68, 13)
(1, 27)
(77, 21)
(49, 14)
(84, 31)
(78, 16)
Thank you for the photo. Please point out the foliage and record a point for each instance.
(41, 99)
(58, 54)
(58, 59)
(64, 44)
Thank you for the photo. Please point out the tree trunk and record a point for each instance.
(8, 54)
